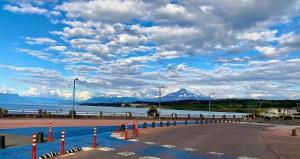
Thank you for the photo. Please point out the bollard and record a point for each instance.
(168, 123)
(161, 124)
(174, 123)
(201, 121)
(40, 137)
(153, 124)
(95, 138)
(126, 132)
(2, 142)
(50, 135)
(196, 122)
(206, 121)
(216, 121)
(136, 128)
(34, 146)
(62, 143)
(123, 127)
(185, 122)
(294, 132)
(145, 125)
(220, 120)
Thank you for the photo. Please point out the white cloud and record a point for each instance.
(57, 48)
(25, 8)
(40, 40)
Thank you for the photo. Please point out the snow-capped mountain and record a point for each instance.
(182, 94)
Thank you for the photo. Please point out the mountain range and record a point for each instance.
(182, 94)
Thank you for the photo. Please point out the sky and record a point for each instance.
(233, 49)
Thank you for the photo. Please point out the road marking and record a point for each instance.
(189, 149)
(87, 149)
(168, 146)
(126, 153)
(117, 135)
(69, 154)
(215, 153)
(149, 143)
(149, 157)
(134, 140)
(106, 149)
(245, 157)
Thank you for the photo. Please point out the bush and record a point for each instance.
(72, 113)
(153, 112)
(3, 112)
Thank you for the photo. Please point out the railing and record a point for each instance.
(117, 114)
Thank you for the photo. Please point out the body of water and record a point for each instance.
(80, 109)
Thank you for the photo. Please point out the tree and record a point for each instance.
(152, 111)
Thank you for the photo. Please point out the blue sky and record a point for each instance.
(129, 48)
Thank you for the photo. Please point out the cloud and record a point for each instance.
(41, 40)
(6, 90)
(25, 8)
(206, 46)
(56, 48)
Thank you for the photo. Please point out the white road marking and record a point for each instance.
(126, 153)
(149, 157)
(245, 157)
(134, 140)
(117, 135)
(168, 146)
(149, 143)
(215, 153)
(189, 149)
(105, 149)
(69, 154)
(87, 149)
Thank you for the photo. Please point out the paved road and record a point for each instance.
(205, 141)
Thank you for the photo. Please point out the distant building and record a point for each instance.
(281, 111)
(138, 105)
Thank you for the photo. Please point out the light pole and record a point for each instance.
(76, 79)
(209, 102)
(159, 94)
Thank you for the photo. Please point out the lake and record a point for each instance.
(80, 109)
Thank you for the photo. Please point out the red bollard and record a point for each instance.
(126, 132)
(34, 146)
(136, 128)
(95, 138)
(62, 143)
(50, 138)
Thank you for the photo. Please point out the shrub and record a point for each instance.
(153, 112)
(72, 113)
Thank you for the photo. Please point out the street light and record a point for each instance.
(159, 94)
(209, 102)
(76, 79)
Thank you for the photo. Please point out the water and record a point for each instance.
(64, 109)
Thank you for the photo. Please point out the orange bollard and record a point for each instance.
(95, 138)
(34, 146)
(62, 143)
(50, 137)
(126, 132)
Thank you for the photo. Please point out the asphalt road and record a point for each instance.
(206, 141)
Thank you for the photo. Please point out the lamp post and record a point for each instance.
(159, 95)
(209, 102)
(76, 79)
